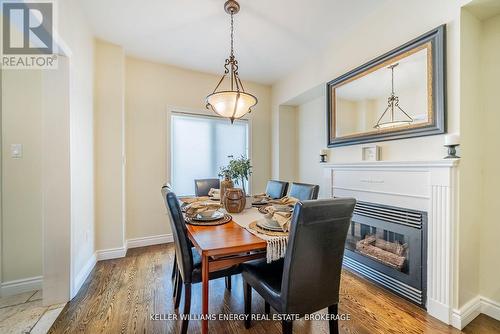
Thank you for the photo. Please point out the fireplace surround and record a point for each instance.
(427, 187)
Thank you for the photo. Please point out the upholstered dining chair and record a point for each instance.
(308, 278)
(276, 189)
(304, 191)
(203, 186)
(187, 258)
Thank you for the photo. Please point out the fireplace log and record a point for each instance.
(366, 248)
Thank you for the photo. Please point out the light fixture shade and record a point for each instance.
(392, 124)
(231, 104)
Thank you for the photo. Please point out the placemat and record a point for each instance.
(255, 227)
(227, 218)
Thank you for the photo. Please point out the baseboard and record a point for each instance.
(463, 316)
(112, 253)
(21, 285)
(83, 274)
(149, 241)
(490, 308)
(476, 306)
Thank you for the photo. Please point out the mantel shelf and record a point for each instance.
(396, 164)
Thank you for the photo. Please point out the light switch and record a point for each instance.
(16, 151)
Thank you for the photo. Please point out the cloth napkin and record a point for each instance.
(280, 214)
(189, 200)
(287, 200)
(214, 193)
(195, 208)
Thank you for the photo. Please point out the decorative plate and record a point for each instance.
(224, 220)
(215, 216)
(269, 224)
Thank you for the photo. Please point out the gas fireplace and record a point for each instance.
(387, 245)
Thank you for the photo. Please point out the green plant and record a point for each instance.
(238, 170)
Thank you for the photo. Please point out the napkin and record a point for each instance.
(284, 219)
(189, 200)
(195, 208)
(214, 193)
(287, 200)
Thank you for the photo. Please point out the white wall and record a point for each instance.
(109, 145)
(75, 32)
(490, 229)
(151, 89)
(21, 178)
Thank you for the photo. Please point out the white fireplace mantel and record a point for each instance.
(429, 186)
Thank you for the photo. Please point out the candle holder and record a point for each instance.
(452, 151)
(323, 158)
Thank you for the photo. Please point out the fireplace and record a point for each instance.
(387, 245)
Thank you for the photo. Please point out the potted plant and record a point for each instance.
(239, 170)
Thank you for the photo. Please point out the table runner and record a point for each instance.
(276, 246)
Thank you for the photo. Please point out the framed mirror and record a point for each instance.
(400, 94)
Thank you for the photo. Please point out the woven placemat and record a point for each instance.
(253, 226)
(227, 218)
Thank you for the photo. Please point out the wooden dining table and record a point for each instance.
(220, 247)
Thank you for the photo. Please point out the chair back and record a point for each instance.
(304, 191)
(184, 255)
(203, 186)
(276, 189)
(313, 259)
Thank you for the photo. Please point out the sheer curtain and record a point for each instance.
(200, 145)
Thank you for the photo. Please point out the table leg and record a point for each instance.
(204, 297)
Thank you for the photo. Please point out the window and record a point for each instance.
(200, 145)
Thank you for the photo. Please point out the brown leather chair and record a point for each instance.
(187, 258)
(276, 189)
(308, 278)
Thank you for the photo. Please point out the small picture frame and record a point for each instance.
(370, 153)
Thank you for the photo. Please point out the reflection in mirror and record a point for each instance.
(392, 96)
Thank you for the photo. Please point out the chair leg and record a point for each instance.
(179, 292)
(267, 308)
(287, 326)
(333, 323)
(187, 308)
(247, 296)
(174, 267)
(228, 282)
(175, 284)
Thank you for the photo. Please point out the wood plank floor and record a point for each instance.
(120, 295)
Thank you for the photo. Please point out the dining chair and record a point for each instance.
(276, 189)
(308, 278)
(187, 258)
(203, 186)
(304, 191)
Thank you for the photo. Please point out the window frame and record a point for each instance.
(172, 111)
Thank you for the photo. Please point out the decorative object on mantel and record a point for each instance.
(231, 102)
(370, 153)
(392, 103)
(234, 200)
(356, 99)
(451, 141)
(323, 153)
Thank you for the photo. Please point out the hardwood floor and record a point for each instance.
(120, 295)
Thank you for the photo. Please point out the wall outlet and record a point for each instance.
(16, 151)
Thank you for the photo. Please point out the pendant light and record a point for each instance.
(393, 107)
(232, 101)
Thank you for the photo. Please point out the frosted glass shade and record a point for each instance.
(393, 124)
(230, 104)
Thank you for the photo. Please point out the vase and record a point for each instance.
(234, 200)
(225, 184)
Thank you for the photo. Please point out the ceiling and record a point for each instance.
(272, 37)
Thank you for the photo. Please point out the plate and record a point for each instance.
(215, 198)
(260, 203)
(270, 225)
(216, 216)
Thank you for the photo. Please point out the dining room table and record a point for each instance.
(222, 246)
